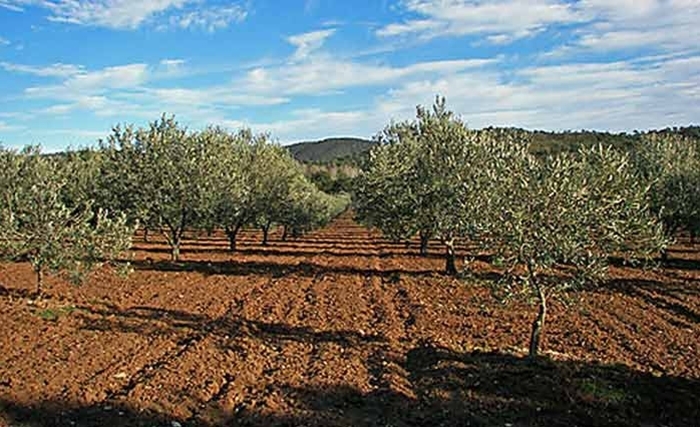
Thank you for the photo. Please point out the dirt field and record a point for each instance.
(342, 328)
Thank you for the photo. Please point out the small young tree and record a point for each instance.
(38, 226)
(568, 210)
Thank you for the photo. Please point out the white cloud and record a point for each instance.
(4, 42)
(307, 43)
(414, 26)
(122, 91)
(656, 25)
(172, 66)
(82, 102)
(5, 127)
(618, 96)
(122, 76)
(221, 96)
(501, 20)
(311, 123)
(321, 75)
(83, 133)
(607, 96)
(53, 70)
(172, 62)
(95, 91)
(108, 13)
(210, 19)
(130, 14)
(13, 5)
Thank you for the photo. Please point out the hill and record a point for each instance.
(330, 149)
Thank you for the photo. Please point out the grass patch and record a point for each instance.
(602, 391)
(52, 314)
(394, 277)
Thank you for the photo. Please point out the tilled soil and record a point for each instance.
(342, 327)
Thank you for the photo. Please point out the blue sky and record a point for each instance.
(305, 69)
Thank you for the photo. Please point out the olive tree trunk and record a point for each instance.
(174, 238)
(450, 257)
(232, 234)
(175, 253)
(266, 232)
(39, 280)
(538, 323)
(424, 238)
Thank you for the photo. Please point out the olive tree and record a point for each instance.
(166, 176)
(230, 206)
(381, 198)
(305, 207)
(252, 181)
(37, 225)
(301, 207)
(424, 178)
(84, 168)
(272, 173)
(568, 210)
(119, 184)
(671, 165)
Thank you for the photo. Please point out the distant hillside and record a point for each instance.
(330, 150)
(352, 151)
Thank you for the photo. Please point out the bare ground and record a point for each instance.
(342, 328)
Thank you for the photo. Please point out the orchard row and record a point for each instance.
(534, 215)
(69, 212)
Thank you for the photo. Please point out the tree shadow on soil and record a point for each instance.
(305, 250)
(275, 269)
(304, 245)
(672, 298)
(227, 328)
(490, 389)
(681, 264)
(447, 388)
(684, 249)
(16, 293)
(291, 251)
(58, 413)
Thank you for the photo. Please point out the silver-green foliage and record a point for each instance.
(573, 211)
(671, 165)
(84, 168)
(38, 225)
(259, 183)
(305, 207)
(425, 177)
(163, 173)
(434, 177)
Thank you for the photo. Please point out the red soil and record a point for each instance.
(342, 328)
